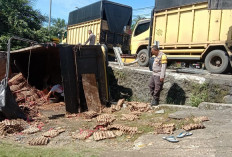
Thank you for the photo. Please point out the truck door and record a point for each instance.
(140, 35)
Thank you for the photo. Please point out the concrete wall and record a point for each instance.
(132, 83)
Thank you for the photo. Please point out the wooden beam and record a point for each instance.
(91, 92)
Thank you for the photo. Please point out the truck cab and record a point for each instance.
(140, 41)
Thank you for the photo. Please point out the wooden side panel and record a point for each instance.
(105, 25)
(226, 25)
(172, 28)
(197, 25)
(69, 77)
(2, 66)
(215, 24)
(185, 29)
(160, 27)
(91, 92)
(79, 33)
(201, 26)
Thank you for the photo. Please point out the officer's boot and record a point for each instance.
(154, 102)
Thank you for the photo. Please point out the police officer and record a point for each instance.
(157, 78)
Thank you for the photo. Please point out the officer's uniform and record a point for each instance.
(159, 69)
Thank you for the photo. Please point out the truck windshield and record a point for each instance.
(141, 28)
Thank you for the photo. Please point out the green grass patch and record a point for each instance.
(207, 93)
(15, 150)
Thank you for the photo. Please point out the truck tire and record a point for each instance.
(217, 62)
(143, 58)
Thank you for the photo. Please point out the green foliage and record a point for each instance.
(13, 150)
(120, 74)
(207, 93)
(199, 94)
(18, 18)
(135, 21)
(58, 28)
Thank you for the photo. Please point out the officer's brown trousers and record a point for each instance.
(155, 86)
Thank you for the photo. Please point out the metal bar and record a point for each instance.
(183, 50)
(193, 22)
(178, 33)
(49, 24)
(186, 57)
(8, 52)
(166, 25)
(151, 32)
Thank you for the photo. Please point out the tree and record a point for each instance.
(135, 21)
(20, 19)
(58, 27)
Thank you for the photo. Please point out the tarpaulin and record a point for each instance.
(8, 106)
(213, 4)
(84, 14)
(167, 4)
(220, 4)
(116, 15)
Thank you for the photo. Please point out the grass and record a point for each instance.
(207, 93)
(15, 150)
(199, 94)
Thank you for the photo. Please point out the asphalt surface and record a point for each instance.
(188, 71)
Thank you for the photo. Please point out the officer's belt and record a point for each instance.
(156, 71)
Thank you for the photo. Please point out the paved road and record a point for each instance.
(187, 71)
(213, 141)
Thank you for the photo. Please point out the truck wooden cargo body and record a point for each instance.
(109, 21)
(193, 27)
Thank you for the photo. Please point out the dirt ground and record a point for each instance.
(211, 141)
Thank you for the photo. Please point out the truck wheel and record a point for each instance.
(143, 57)
(217, 62)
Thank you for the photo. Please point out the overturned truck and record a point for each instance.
(81, 70)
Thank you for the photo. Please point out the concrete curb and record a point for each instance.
(214, 106)
(202, 106)
(178, 107)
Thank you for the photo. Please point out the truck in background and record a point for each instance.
(189, 31)
(140, 41)
(109, 21)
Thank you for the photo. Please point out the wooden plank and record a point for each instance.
(2, 66)
(91, 92)
(69, 77)
(183, 9)
(78, 33)
(105, 25)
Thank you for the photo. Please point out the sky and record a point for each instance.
(61, 8)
